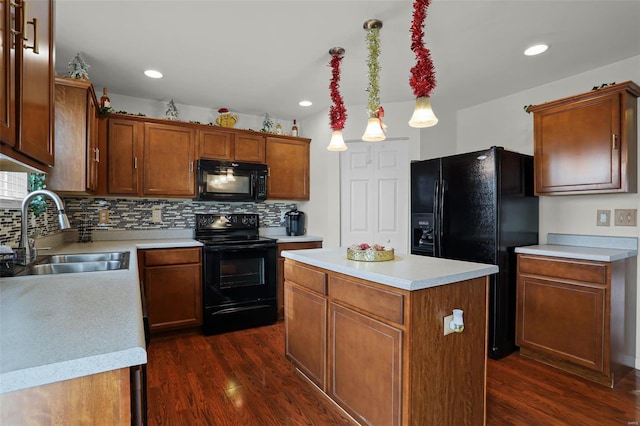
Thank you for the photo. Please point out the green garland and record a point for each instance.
(373, 43)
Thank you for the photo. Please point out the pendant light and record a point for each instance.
(375, 128)
(423, 76)
(337, 112)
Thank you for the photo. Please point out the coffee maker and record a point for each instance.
(295, 222)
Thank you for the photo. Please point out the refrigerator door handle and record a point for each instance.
(441, 218)
(436, 224)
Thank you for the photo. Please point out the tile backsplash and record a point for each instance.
(133, 214)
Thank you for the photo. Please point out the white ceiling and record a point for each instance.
(263, 56)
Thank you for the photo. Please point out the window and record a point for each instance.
(13, 189)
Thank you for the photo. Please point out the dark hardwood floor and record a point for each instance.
(243, 378)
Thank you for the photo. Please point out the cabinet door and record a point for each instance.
(173, 296)
(306, 332)
(8, 124)
(124, 156)
(36, 98)
(93, 151)
(250, 148)
(288, 162)
(169, 153)
(365, 358)
(562, 319)
(76, 138)
(215, 144)
(587, 143)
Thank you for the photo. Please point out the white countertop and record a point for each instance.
(296, 239)
(585, 247)
(64, 326)
(406, 271)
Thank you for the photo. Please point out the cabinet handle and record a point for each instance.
(35, 47)
(135, 162)
(268, 171)
(614, 141)
(33, 22)
(190, 166)
(23, 28)
(97, 154)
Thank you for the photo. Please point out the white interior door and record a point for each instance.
(374, 193)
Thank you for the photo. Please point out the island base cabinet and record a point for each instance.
(365, 358)
(386, 357)
(99, 399)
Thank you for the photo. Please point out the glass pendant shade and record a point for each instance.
(373, 132)
(337, 142)
(423, 115)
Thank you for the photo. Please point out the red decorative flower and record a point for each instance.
(423, 75)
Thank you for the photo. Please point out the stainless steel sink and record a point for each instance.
(78, 262)
(88, 257)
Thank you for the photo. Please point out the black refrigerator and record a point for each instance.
(478, 207)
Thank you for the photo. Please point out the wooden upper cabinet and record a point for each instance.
(288, 162)
(124, 156)
(26, 122)
(587, 143)
(215, 144)
(76, 130)
(231, 145)
(168, 160)
(250, 148)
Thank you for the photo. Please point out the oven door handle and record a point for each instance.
(236, 249)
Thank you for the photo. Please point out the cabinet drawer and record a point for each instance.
(579, 270)
(384, 304)
(305, 277)
(171, 256)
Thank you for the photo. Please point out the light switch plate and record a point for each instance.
(625, 217)
(603, 218)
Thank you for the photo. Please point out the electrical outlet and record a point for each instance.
(156, 216)
(625, 217)
(103, 217)
(603, 218)
(447, 328)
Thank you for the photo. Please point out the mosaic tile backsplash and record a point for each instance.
(132, 214)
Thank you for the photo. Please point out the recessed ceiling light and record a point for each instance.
(536, 50)
(305, 103)
(153, 74)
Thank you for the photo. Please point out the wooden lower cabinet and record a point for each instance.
(570, 314)
(386, 358)
(172, 280)
(365, 382)
(306, 338)
(103, 398)
(281, 248)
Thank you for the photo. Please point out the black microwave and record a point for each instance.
(231, 181)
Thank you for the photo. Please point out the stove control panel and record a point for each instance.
(228, 221)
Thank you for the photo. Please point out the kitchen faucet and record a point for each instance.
(63, 220)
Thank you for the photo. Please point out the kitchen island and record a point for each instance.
(371, 335)
(68, 341)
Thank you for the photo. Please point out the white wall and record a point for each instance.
(503, 122)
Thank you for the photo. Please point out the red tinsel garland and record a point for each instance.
(337, 112)
(423, 75)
